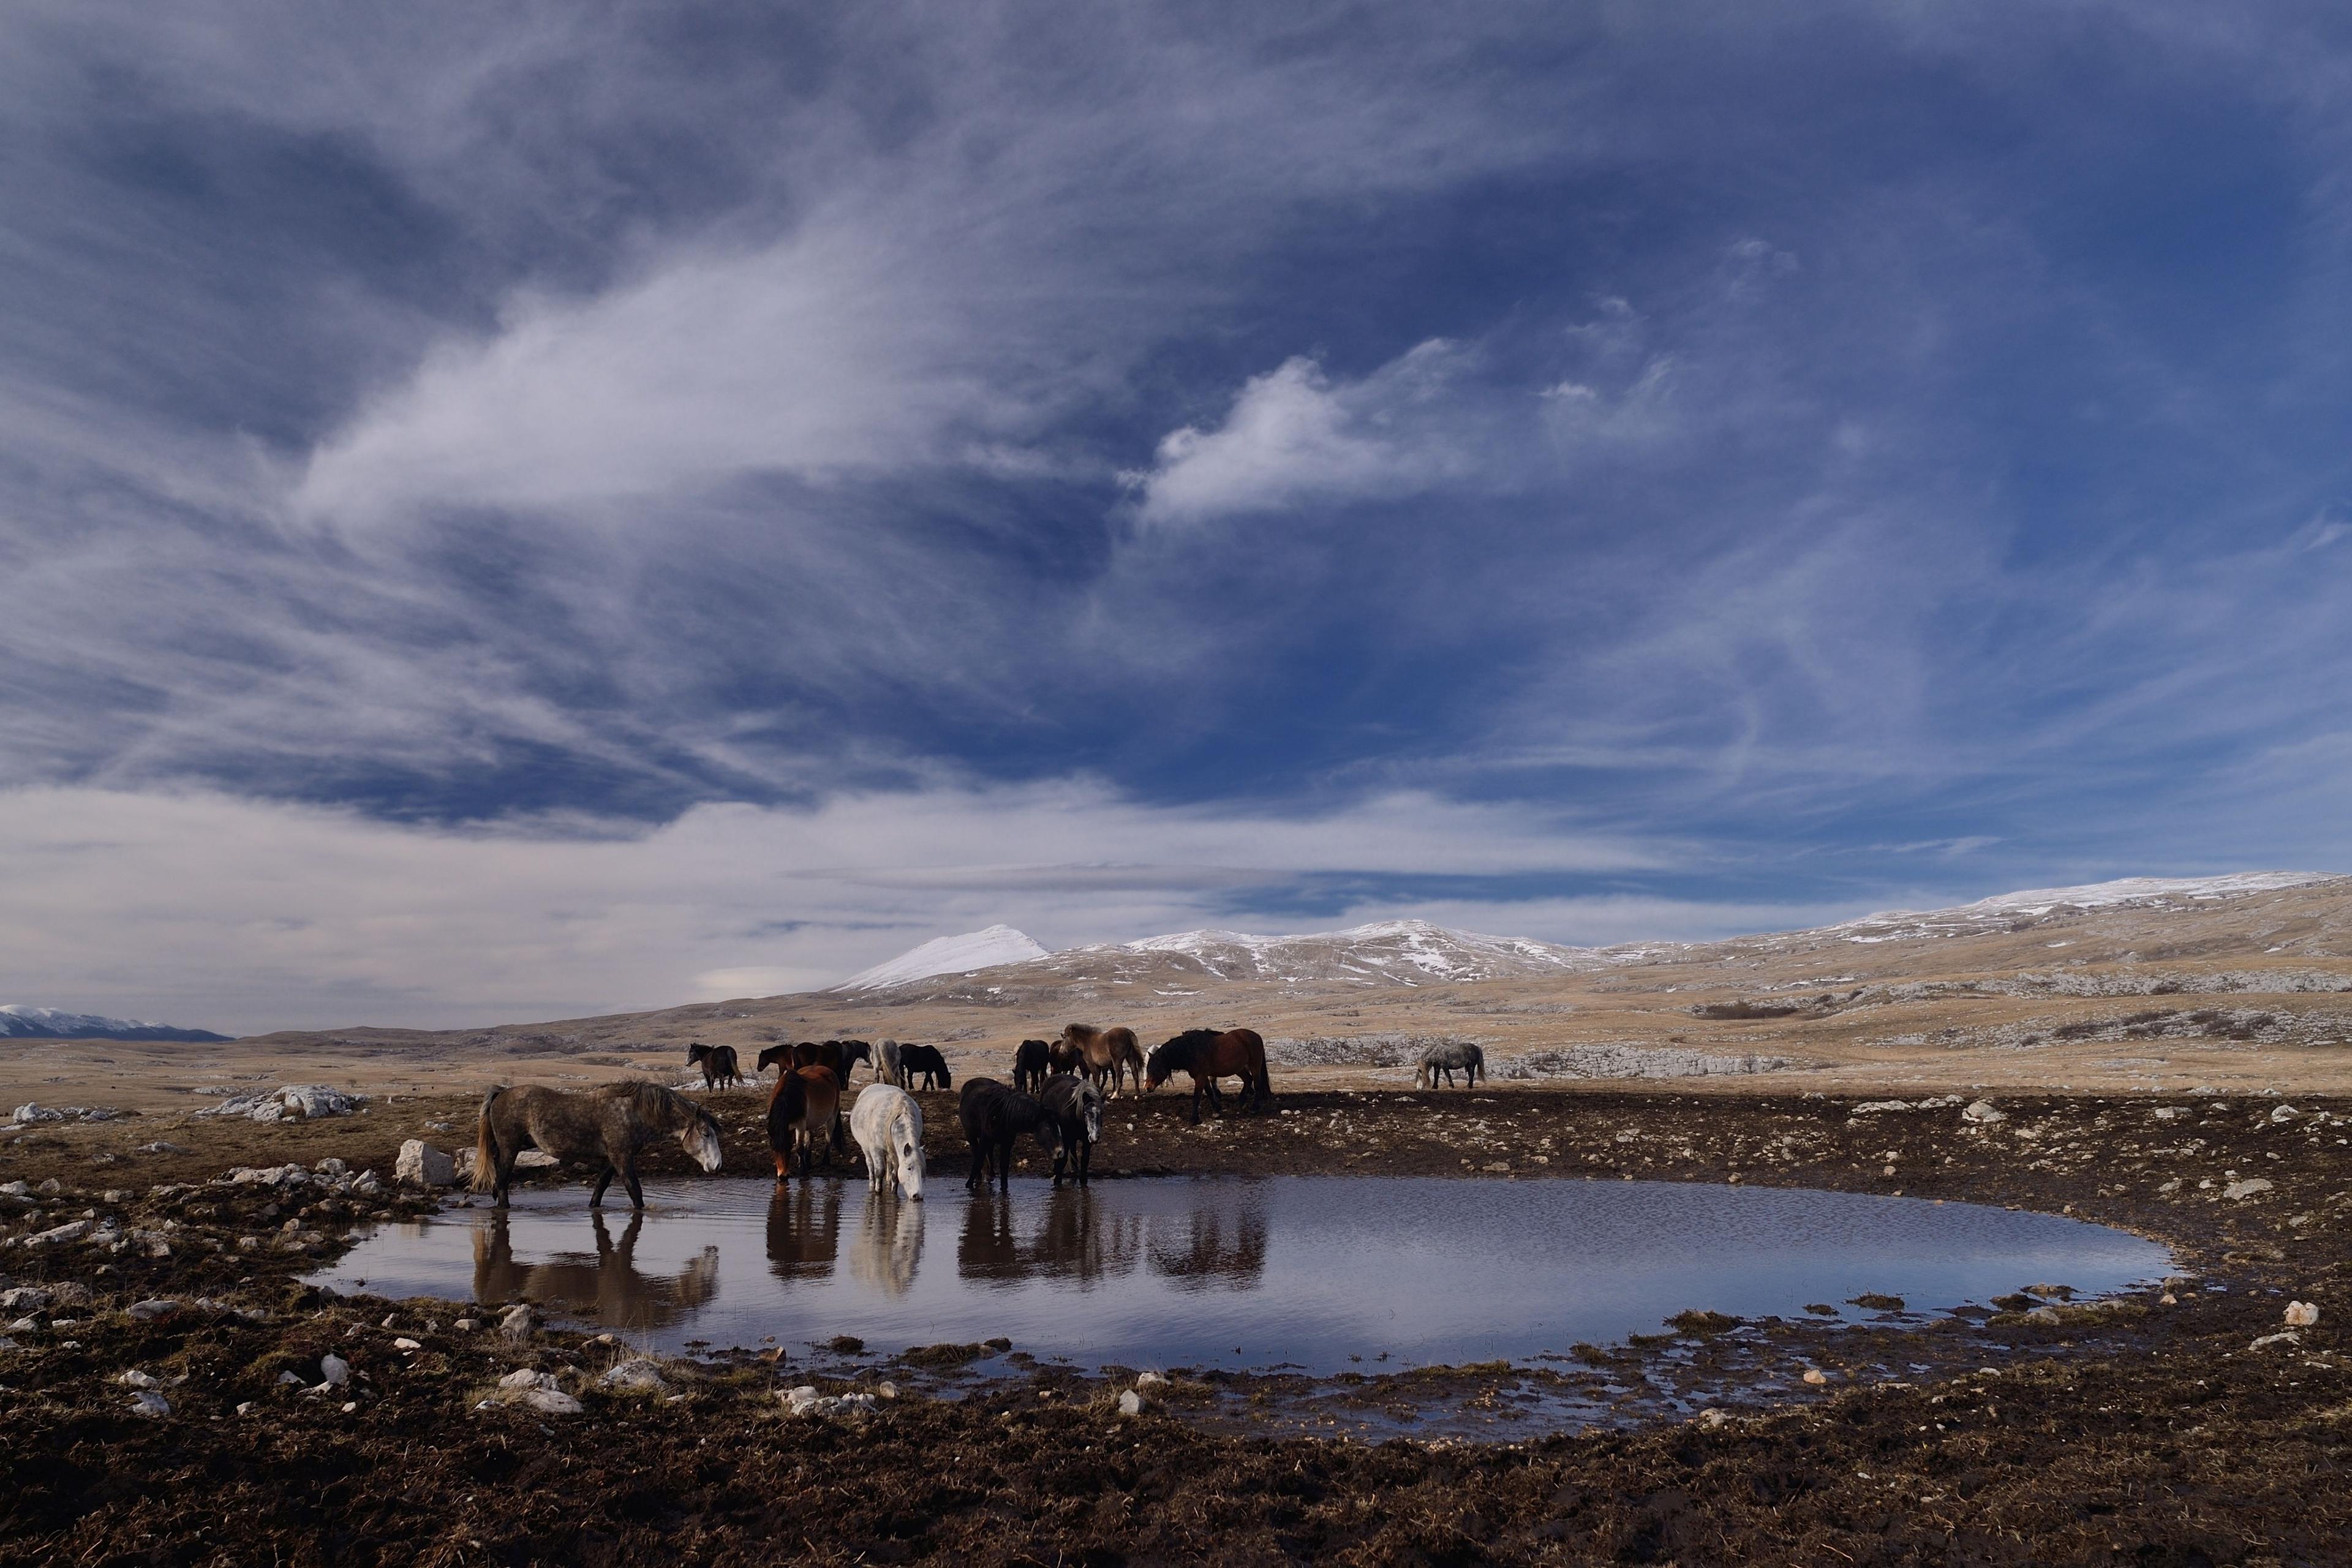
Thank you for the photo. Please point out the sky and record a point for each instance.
(526, 511)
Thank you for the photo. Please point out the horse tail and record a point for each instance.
(485, 1147)
(1257, 1059)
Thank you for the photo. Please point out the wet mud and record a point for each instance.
(171, 1398)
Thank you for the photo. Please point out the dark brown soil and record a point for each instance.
(2130, 1431)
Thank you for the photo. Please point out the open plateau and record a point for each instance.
(202, 1360)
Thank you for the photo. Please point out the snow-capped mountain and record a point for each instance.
(2004, 909)
(1389, 953)
(949, 955)
(1408, 952)
(23, 1023)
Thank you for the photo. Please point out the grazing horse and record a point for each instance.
(607, 1124)
(926, 1060)
(888, 1068)
(888, 1127)
(1464, 1055)
(994, 1116)
(1031, 1063)
(1209, 1054)
(1104, 1053)
(720, 1066)
(804, 1117)
(1076, 1104)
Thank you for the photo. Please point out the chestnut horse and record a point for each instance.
(1209, 1054)
(1102, 1054)
(804, 1117)
(607, 1124)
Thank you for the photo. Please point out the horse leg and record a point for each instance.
(629, 1179)
(1004, 1165)
(596, 1200)
(505, 1172)
(979, 1163)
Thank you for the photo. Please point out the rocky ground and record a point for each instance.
(170, 1392)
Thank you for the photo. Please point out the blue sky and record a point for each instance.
(524, 511)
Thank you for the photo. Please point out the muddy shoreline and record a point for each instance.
(2130, 1430)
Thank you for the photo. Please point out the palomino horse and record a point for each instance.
(1465, 1057)
(607, 1124)
(994, 1116)
(721, 1068)
(804, 1117)
(1105, 1053)
(1209, 1054)
(888, 1127)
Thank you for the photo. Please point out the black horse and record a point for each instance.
(1076, 1104)
(721, 1068)
(927, 1060)
(1031, 1063)
(994, 1116)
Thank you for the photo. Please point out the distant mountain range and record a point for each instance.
(19, 1022)
(1418, 952)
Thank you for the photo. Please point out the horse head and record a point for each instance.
(907, 1152)
(774, 1055)
(700, 1136)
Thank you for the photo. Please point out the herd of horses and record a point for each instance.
(1058, 1095)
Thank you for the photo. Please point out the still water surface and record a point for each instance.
(1309, 1271)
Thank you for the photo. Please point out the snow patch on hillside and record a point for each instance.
(949, 955)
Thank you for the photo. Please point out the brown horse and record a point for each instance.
(1103, 1054)
(1209, 1054)
(804, 1117)
(608, 1123)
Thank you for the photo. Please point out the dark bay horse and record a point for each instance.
(1104, 1054)
(720, 1066)
(994, 1116)
(1031, 1063)
(1209, 1054)
(926, 1060)
(804, 1117)
(607, 1124)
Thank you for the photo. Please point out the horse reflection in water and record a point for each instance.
(889, 1246)
(1209, 1248)
(1083, 1240)
(804, 1230)
(622, 1298)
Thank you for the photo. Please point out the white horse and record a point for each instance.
(888, 1126)
(887, 1068)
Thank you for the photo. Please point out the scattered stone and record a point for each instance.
(2284, 1337)
(26, 1299)
(421, 1164)
(1149, 1380)
(806, 1401)
(288, 1103)
(330, 1166)
(538, 1391)
(148, 1403)
(406, 1344)
(287, 1379)
(73, 1230)
(1983, 1113)
(638, 1372)
(136, 1379)
(1130, 1404)
(1816, 1377)
(151, 1310)
(519, 1321)
(333, 1370)
(2302, 1314)
(2246, 1188)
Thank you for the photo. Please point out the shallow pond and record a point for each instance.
(1312, 1272)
